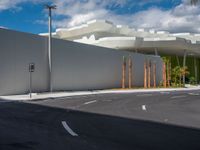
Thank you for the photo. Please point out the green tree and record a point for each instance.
(167, 62)
(192, 81)
(178, 73)
(183, 72)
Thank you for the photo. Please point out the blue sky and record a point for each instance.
(169, 15)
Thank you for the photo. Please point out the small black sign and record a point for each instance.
(31, 67)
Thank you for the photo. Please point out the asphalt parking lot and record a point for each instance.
(135, 121)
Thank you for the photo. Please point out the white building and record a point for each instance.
(75, 66)
(106, 34)
(176, 46)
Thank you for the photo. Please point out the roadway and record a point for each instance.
(131, 121)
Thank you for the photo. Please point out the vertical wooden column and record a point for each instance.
(168, 74)
(145, 74)
(164, 75)
(130, 72)
(149, 74)
(154, 75)
(124, 72)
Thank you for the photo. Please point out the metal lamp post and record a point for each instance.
(50, 7)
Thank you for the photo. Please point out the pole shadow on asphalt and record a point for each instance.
(32, 126)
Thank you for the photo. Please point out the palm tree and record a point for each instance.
(178, 73)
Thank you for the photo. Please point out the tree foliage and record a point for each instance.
(178, 73)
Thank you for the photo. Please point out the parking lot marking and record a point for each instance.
(165, 120)
(69, 130)
(180, 96)
(86, 103)
(144, 107)
(195, 94)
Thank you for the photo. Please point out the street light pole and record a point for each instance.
(50, 7)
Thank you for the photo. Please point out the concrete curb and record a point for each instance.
(54, 95)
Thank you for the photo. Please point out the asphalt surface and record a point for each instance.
(138, 121)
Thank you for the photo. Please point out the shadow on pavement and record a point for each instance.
(32, 126)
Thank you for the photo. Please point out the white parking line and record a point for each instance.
(69, 130)
(86, 103)
(195, 94)
(180, 96)
(144, 107)
(165, 120)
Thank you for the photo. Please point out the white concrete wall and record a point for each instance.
(75, 66)
(80, 67)
(17, 50)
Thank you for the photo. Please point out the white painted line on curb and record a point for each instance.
(144, 107)
(181, 96)
(86, 103)
(69, 130)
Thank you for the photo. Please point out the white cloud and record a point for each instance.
(78, 12)
(8, 4)
(182, 18)
(81, 11)
(2, 27)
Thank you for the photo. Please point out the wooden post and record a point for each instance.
(124, 72)
(130, 73)
(154, 75)
(145, 74)
(149, 74)
(164, 75)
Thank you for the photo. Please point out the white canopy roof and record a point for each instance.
(106, 34)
